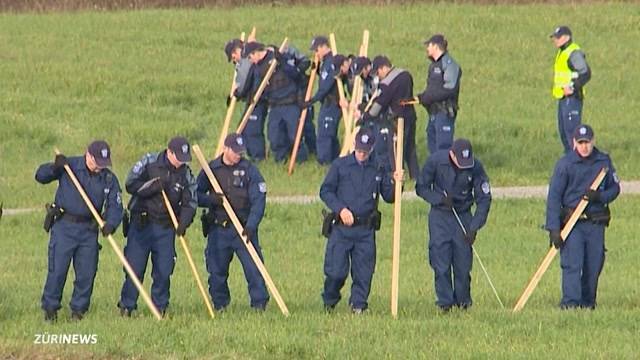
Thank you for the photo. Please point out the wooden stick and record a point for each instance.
(187, 252)
(114, 245)
(229, 115)
(352, 137)
(263, 85)
(345, 114)
(303, 118)
(564, 234)
(397, 214)
(356, 99)
(238, 226)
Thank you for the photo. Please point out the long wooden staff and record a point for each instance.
(397, 215)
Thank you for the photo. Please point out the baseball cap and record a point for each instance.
(230, 46)
(380, 61)
(338, 60)
(180, 146)
(317, 41)
(583, 133)
(101, 152)
(464, 154)
(560, 30)
(236, 143)
(365, 140)
(436, 39)
(359, 64)
(253, 46)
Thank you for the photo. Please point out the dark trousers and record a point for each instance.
(254, 132)
(569, 117)
(328, 146)
(282, 128)
(440, 130)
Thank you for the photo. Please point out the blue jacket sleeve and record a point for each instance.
(425, 185)
(137, 175)
(449, 87)
(611, 185)
(203, 190)
(329, 190)
(113, 208)
(326, 83)
(557, 187)
(482, 195)
(189, 201)
(387, 187)
(45, 173)
(257, 198)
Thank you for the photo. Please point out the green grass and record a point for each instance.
(138, 78)
(511, 247)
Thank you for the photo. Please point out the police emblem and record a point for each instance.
(615, 178)
(239, 141)
(262, 187)
(465, 154)
(185, 148)
(324, 75)
(486, 188)
(583, 131)
(365, 139)
(104, 153)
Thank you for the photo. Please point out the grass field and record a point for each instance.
(511, 247)
(138, 78)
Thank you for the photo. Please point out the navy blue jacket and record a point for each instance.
(354, 186)
(102, 188)
(282, 88)
(244, 187)
(443, 83)
(326, 81)
(464, 185)
(572, 178)
(394, 88)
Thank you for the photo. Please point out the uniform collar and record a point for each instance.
(576, 158)
(218, 163)
(351, 160)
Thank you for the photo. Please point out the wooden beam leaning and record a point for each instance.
(263, 85)
(340, 85)
(230, 108)
(187, 252)
(397, 216)
(356, 99)
(303, 117)
(564, 234)
(114, 245)
(238, 226)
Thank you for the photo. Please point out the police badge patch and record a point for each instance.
(486, 188)
(262, 187)
(324, 75)
(615, 178)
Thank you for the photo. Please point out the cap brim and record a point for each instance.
(364, 148)
(184, 158)
(465, 163)
(582, 139)
(102, 163)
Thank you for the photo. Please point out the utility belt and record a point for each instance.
(288, 100)
(330, 219)
(448, 107)
(209, 220)
(144, 218)
(55, 213)
(597, 217)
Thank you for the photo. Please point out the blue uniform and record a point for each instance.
(246, 189)
(327, 144)
(75, 235)
(151, 231)
(582, 256)
(440, 98)
(447, 248)
(246, 85)
(354, 186)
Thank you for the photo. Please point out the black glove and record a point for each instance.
(216, 198)
(304, 104)
(150, 188)
(182, 229)
(447, 201)
(555, 239)
(313, 66)
(107, 230)
(228, 100)
(250, 233)
(593, 196)
(59, 162)
(470, 238)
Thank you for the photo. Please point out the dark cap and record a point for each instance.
(583, 133)
(338, 60)
(365, 139)
(180, 146)
(380, 61)
(464, 155)
(230, 46)
(437, 39)
(253, 46)
(101, 152)
(560, 30)
(359, 64)
(236, 143)
(317, 41)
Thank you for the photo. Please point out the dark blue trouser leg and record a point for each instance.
(571, 261)
(291, 115)
(254, 132)
(593, 262)
(85, 265)
(327, 140)
(363, 263)
(277, 133)
(336, 266)
(163, 260)
(410, 155)
(255, 283)
(137, 253)
(309, 132)
(569, 117)
(440, 130)
(462, 262)
(218, 255)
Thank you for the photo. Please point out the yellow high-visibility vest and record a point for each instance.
(562, 74)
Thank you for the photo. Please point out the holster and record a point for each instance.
(328, 220)
(207, 220)
(53, 213)
(126, 223)
(375, 219)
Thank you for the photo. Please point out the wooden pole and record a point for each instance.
(114, 245)
(564, 234)
(345, 114)
(397, 214)
(352, 136)
(356, 99)
(302, 119)
(263, 85)
(238, 226)
(187, 252)
(229, 115)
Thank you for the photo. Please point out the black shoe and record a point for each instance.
(259, 308)
(444, 309)
(76, 316)
(50, 316)
(464, 306)
(124, 312)
(329, 308)
(164, 313)
(358, 311)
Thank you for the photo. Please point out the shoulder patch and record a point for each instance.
(616, 179)
(486, 188)
(262, 187)
(324, 75)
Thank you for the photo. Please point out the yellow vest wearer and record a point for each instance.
(562, 74)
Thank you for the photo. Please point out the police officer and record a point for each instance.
(245, 87)
(282, 97)
(351, 190)
(74, 232)
(395, 86)
(328, 145)
(582, 253)
(440, 97)
(246, 190)
(452, 180)
(151, 230)
(570, 75)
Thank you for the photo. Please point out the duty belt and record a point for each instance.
(76, 218)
